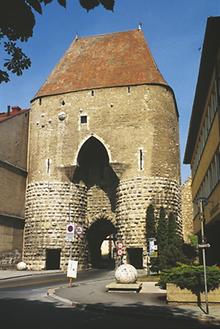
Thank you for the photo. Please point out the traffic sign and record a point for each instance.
(119, 252)
(70, 232)
(79, 230)
(204, 245)
(119, 245)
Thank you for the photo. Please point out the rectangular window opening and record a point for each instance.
(83, 119)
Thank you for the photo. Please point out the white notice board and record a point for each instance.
(72, 269)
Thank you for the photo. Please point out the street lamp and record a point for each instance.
(203, 246)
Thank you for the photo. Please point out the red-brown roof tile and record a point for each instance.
(15, 110)
(117, 59)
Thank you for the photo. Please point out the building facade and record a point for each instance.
(13, 173)
(103, 145)
(203, 144)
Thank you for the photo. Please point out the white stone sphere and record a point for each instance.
(126, 273)
(21, 266)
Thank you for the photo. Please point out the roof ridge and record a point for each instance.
(105, 34)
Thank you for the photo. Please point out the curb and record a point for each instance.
(51, 293)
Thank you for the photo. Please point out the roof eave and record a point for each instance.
(210, 47)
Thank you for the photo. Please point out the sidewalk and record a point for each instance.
(13, 274)
(149, 302)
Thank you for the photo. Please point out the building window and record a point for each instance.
(92, 93)
(211, 178)
(129, 89)
(206, 126)
(83, 119)
(48, 165)
(141, 159)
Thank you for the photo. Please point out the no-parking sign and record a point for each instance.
(70, 228)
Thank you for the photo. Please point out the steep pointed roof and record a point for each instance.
(110, 60)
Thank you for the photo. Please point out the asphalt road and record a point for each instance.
(29, 307)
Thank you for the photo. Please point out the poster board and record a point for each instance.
(72, 269)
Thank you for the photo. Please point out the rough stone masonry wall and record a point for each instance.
(9, 259)
(144, 118)
(47, 214)
(134, 196)
(98, 205)
(187, 209)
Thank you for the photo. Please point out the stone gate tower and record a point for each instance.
(103, 145)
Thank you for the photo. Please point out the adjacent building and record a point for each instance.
(13, 173)
(203, 143)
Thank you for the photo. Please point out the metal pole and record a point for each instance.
(70, 256)
(201, 211)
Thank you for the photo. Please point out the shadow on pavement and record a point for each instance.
(26, 314)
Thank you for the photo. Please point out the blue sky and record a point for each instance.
(174, 30)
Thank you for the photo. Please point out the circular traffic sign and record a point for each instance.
(119, 252)
(70, 228)
(119, 245)
(79, 230)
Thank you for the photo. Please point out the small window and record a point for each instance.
(83, 119)
(40, 101)
(141, 159)
(92, 93)
(129, 89)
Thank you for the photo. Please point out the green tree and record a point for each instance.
(17, 21)
(175, 243)
(150, 223)
(162, 239)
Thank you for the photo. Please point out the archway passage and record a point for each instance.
(93, 169)
(101, 230)
(93, 165)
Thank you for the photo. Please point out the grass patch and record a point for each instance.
(148, 278)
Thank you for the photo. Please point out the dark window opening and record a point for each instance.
(141, 159)
(92, 93)
(129, 89)
(135, 257)
(83, 119)
(53, 259)
(40, 101)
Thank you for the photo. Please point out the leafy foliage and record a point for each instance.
(90, 4)
(150, 223)
(191, 277)
(174, 250)
(17, 22)
(19, 61)
(162, 239)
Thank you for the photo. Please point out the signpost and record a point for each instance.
(203, 246)
(120, 250)
(70, 230)
(152, 247)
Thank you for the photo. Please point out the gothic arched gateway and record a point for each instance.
(102, 230)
